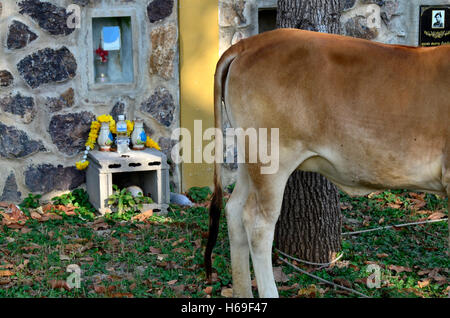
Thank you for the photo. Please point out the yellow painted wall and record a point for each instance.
(199, 53)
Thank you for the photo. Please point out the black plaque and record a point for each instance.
(434, 26)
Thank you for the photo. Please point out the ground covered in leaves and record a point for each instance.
(155, 256)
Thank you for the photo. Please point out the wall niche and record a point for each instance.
(113, 35)
(117, 32)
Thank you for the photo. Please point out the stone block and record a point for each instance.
(47, 66)
(147, 169)
(19, 35)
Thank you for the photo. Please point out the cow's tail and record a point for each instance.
(216, 201)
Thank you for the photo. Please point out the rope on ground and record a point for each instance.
(307, 262)
(324, 280)
(391, 226)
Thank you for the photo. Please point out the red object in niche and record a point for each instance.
(102, 53)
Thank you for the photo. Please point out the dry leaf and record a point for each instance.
(56, 284)
(181, 240)
(161, 257)
(227, 292)
(208, 290)
(342, 282)
(394, 205)
(399, 269)
(25, 230)
(436, 216)
(111, 288)
(172, 282)
(309, 292)
(423, 283)
(122, 295)
(279, 275)
(382, 255)
(154, 250)
(35, 215)
(63, 257)
(143, 216)
(4, 273)
(418, 203)
(99, 289)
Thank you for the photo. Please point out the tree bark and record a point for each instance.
(309, 226)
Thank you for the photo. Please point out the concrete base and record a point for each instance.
(147, 169)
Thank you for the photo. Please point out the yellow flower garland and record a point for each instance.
(150, 143)
(93, 135)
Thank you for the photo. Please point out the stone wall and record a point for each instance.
(48, 96)
(398, 23)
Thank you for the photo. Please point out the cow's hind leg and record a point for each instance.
(260, 216)
(239, 248)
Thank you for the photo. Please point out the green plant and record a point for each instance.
(199, 194)
(31, 201)
(125, 203)
(78, 198)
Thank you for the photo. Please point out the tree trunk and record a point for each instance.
(309, 226)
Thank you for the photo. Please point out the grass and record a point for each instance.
(163, 256)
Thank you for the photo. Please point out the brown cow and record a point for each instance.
(368, 116)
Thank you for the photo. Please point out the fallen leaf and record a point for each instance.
(208, 290)
(111, 288)
(279, 275)
(4, 273)
(57, 284)
(35, 215)
(181, 250)
(399, 269)
(25, 230)
(99, 289)
(227, 292)
(154, 250)
(423, 283)
(309, 292)
(178, 288)
(342, 282)
(122, 295)
(198, 243)
(142, 216)
(172, 282)
(5, 280)
(436, 216)
(394, 205)
(161, 257)
(417, 203)
(63, 257)
(382, 255)
(181, 240)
